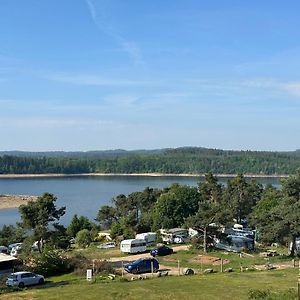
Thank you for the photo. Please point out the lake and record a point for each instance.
(84, 195)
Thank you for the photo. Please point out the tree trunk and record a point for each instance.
(293, 247)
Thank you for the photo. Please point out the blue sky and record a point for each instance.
(132, 74)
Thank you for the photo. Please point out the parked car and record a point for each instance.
(161, 251)
(3, 249)
(15, 251)
(21, 279)
(107, 245)
(11, 246)
(181, 239)
(143, 265)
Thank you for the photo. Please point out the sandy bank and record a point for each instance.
(14, 201)
(136, 174)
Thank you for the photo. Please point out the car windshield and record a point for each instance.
(137, 261)
(12, 276)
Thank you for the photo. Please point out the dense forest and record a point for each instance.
(189, 160)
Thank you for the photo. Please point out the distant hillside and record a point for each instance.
(81, 154)
(189, 160)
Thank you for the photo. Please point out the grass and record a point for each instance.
(210, 286)
(235, 261)
(234, 285)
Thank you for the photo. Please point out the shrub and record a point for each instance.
(80, 264)
(83, 238)
(49, 262)
(272, 295)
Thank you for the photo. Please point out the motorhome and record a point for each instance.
(133, 246)
(149, 237)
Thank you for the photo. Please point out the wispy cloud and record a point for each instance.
(293, 88)
(101, 22)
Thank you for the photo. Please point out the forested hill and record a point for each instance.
(190, 160)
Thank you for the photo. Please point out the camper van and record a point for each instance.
(149, 237)
(133, 246)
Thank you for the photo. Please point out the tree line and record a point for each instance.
(273, 213)
(171, 161)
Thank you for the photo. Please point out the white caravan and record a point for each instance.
(133, 246)
(149, 237)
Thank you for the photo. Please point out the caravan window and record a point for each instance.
(138, 245)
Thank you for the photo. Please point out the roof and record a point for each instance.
(174, 230)
(5, 257)
(20, 272)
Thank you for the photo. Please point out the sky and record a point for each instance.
(132, 74)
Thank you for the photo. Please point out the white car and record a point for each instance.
(15, 251)
(181, 239)
(106, 245)
(21, 279)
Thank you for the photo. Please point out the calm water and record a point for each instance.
(85, 195)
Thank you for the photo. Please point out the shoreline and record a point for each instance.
(3, 176)
(15, 201)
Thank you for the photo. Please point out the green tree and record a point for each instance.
(241, 197)
(277, 214)
(106, 216)
(210, 209)
(210, 190)
(84, 238)
(78, 224)
(174, 206)
(10, 234)
(38, 215)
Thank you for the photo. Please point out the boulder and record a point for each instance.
(228, 270)
(208, 271)
(188, 271)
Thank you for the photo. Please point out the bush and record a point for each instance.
(83, 238)
(49, 262)
(80, 264)
(258, 294)
(270, 295)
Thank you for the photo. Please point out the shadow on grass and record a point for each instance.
(52, 284)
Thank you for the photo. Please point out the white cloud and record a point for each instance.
(292, 87)
(102, 23)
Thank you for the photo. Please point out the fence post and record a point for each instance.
(221, 265)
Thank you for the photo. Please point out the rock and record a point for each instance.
(269, 267)
(188, 271)
(208, 271)
(228, 270)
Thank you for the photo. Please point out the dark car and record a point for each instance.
(143, 265)
(161, 251)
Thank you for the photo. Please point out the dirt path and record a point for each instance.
(134, 257)
(117, 261)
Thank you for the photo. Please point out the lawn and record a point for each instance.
(234, 285)
(231, 260)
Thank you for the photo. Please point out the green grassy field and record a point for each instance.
(210, 286)
(231, 260)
